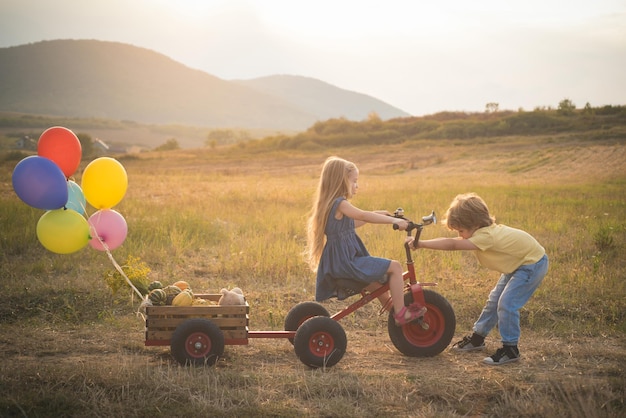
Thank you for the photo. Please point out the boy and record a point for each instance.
(520, 259)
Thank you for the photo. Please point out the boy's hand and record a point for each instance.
(411, 242)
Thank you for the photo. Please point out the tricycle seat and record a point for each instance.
(349, 287)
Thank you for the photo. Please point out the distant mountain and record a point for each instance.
(89, 78)
(321, 99)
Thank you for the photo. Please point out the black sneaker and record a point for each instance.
(504, 355)
(466, 344)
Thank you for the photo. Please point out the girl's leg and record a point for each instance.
(384, 299)
(396, 287)
(520, 288)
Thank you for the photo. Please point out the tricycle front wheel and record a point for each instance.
(430, 337)
(197, 342)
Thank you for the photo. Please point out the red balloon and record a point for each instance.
(61, 146)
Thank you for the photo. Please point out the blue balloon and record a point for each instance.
(40, 183)
(75, 197)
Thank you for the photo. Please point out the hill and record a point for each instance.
(313, 97)
(96, 79)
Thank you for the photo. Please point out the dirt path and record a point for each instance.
(545, 359)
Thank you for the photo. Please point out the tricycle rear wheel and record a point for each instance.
(197, 342)
(320, 342)
(300, 313)
(415, 340)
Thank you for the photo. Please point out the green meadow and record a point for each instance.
(236, 216)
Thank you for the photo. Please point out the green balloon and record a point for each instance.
(63, 231)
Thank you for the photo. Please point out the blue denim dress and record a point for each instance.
(345, 257)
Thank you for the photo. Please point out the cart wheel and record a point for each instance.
(430, 337)
(300, 313)
(197, 342)
(320, 342)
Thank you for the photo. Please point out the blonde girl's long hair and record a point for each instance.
(334, 183)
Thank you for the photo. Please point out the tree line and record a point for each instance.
(454, 125)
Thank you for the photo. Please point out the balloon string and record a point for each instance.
(94, 233)
(117, 266)
(121, 271)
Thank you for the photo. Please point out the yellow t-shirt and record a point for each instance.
(504, 249)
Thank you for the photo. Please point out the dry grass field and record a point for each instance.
(230, 217)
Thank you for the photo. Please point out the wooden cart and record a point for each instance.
(197, 334)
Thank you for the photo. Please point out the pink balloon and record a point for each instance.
(110, 226)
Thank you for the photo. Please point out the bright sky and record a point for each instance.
(422, 57)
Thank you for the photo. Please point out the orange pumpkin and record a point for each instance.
(182, 285)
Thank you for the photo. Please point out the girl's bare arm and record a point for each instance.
(362, 216)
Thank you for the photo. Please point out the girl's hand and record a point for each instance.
(403, 224)
(411, 242)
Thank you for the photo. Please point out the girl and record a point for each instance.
(520, 259)
(342, 255)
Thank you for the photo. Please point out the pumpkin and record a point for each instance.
(182, 285)
(171, 291)
(155, 285)
(157, 297)
(184, 298)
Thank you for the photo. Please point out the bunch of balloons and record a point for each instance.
(43, 182)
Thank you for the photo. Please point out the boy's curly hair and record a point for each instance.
(468, 211)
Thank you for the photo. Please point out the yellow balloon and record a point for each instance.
(63, 231)
(104, 182)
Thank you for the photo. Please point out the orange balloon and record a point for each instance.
(62, 146)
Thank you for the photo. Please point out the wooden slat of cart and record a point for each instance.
(195, 310)
(171, 323)
(161, 321)
(163, 337)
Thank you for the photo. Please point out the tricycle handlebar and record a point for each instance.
(426, 220)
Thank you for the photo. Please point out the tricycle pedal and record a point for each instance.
(423, 323)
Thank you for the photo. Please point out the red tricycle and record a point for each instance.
(197, 335)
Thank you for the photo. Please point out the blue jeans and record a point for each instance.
(506, 299)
